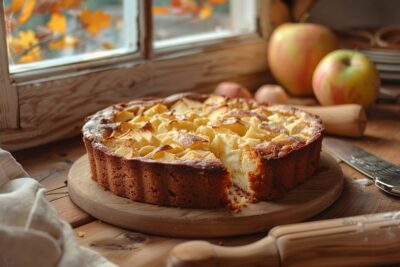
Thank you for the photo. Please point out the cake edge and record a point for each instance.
(158, 183)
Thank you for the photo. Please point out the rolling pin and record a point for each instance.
(344, 120)
(369, 240)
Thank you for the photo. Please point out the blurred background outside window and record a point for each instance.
(46, 33)
(42, 33)
(189, 21)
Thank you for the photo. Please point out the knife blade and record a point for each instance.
(385, 175)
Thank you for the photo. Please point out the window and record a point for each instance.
(69, 58)
(43, 34)
(200, 21)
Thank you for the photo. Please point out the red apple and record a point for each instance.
(271, 94)
(346, 76)
(232, 89)
(295, 50)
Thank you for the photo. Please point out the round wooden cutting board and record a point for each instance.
(303, 202)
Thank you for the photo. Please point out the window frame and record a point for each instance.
(35, 103)
(8, 92)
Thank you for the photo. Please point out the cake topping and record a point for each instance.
(191, 129)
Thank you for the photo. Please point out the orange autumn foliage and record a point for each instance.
(54, 6)
(26, 11)
(57, 23)
(25, 41)
(54, 34)
(199, 9)
(217, 2)
(206, 11)
(16, 5)
(31, 44)
(107, 45)
(160, 10)
(67, 42)
(95, 21)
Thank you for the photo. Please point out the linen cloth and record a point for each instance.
(31, 234)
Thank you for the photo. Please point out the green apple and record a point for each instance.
(294, 51)
(346, 76)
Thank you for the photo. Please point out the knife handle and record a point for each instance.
(370, 240)
(344, 120)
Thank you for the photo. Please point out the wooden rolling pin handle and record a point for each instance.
(205, 254)
(344, 120)
(370, 240)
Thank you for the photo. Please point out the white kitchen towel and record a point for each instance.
(31, 234)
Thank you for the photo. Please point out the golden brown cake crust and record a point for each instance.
(194, 183)
(180, 185)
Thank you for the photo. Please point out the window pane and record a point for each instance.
(187, 21)
(44, 33)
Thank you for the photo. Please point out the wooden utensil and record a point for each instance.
(345, 120)
(369, 240)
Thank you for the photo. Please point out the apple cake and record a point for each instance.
(198, 151)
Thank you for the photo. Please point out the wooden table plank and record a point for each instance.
(382, 138)
(125, 247)
(50, 164)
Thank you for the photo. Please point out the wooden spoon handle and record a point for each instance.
(345, 120)
(370, 240)
(205, 254)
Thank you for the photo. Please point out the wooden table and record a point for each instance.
(50, 164)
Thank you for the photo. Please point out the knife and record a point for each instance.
(385, 175)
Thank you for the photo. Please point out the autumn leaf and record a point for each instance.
(71, 3)
(57, 23)
(181, 7)
(217, 2)
(107, 45)
(200, 9)
(24, 41)
(95, 21)
(67, 42)
(205, 11)
(48, 6)
(16, 5)
(55, 6)
(160, 10)
(176, 3)
(26, 12)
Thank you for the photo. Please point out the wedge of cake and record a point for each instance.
(191, 150)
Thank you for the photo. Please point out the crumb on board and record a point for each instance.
(81, 234)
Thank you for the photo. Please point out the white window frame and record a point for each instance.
(45, 105)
